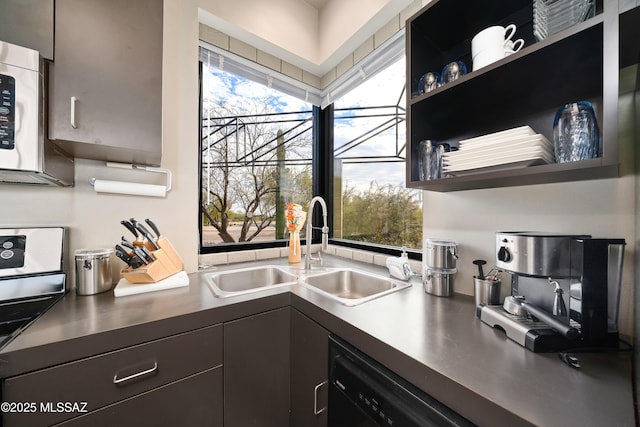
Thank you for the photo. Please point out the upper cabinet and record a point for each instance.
(579, 63)
(106, 80)
(28, 23)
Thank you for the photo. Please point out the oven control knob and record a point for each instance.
(504, 255)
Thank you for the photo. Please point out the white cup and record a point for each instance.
(488, 56)
(512, 47)
(495, 36)
(496, 53)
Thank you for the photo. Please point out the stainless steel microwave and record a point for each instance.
(26, 155)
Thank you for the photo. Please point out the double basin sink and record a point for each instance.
(345, 285)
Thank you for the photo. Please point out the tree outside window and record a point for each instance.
(256, 155)
(372, 203)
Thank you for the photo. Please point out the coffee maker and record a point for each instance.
(565, 290)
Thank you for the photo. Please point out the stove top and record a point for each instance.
(17, 314)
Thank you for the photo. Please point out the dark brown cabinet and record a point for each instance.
(173, 377)
(256, 370)
(192, 401)
(309, 372)
(526, 88)
(28, 23)
(276, 370)
(106, 80)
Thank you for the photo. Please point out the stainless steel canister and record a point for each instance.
(93, 271)
(439, 282)
(441, 254)
(486, 291)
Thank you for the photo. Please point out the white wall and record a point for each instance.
(340, 20)
(289, 26)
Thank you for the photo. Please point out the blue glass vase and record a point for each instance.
(575, 133)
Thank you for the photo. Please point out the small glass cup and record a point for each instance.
(452, 71)
(430, 159)
(428, 82)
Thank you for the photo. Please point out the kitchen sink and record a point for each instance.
(247, 280)
(351, 287)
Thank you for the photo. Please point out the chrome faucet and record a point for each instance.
(308, 258)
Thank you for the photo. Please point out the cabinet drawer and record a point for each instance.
(193, 401)
(111, 377)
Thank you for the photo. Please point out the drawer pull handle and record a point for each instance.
(151, 370)
(73, 112)
(315, 399)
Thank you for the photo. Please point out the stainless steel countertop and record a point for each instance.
(436, 343)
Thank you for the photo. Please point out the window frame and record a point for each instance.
(322, 185)
(244, 246)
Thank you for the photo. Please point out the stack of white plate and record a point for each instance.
(552, 16)
(508, 149)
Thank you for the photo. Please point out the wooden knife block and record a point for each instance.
(167, 263)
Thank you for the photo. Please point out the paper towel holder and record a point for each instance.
(141, 189)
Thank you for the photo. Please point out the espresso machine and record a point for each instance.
(565, 290)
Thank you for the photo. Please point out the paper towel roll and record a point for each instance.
(121, 187)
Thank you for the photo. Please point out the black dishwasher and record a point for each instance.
(363, 393)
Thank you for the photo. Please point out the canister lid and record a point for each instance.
(439, 271)
(441, 242)
(93, 253)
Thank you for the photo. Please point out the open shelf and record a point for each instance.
(526, 88)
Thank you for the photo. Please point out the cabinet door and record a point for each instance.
(309, 372)
(193, 401)
(106, 91)
(28, 23)
(256, 370)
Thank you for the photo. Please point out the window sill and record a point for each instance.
(336, 248)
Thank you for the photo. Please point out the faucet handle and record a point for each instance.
(325, 238)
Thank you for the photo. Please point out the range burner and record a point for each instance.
(36, 295)
(32, 276)
(16, 316)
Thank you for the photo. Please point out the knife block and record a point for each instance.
(167, 263)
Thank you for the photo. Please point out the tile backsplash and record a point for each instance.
(223, 258)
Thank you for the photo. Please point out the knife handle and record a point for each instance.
(147, 253)
(153, 227)
(123, 255)
(129, 227)
(141, 228)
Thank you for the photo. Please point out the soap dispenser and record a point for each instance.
(399, 266)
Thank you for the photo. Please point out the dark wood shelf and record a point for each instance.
(541, 174)
(526, 88)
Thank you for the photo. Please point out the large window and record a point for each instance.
(255, 156)
(371, 202)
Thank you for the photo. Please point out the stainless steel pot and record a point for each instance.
(93, 271)
(441, 254)
(438, 282)
(486, 291)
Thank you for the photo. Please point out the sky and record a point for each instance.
(382, 89)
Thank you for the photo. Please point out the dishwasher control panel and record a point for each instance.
(363, 392)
